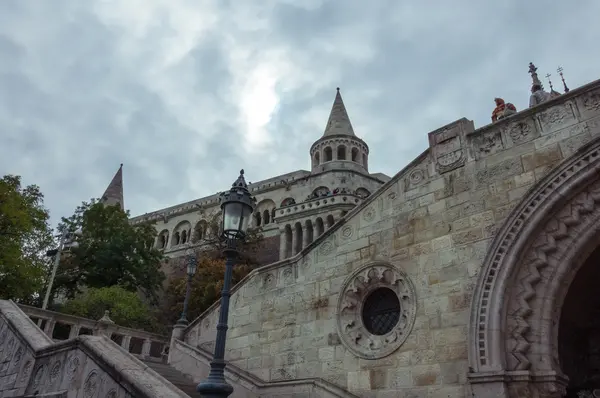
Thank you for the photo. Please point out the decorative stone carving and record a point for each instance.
(356, 289)
(38, 376)
(111, 394)
(55, 371)
(26, 370)
(447, 145)
(555, 234)
(520, 131)
(18, 356)
(288, 275)
(347, 231)
(487, 144)
(369, 214)
(91, 384)
(592, 102)
(72, 367)
(268, 281)
(416, 177)
(326, 248)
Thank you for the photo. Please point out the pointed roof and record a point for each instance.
(114, 192)
(339, 122)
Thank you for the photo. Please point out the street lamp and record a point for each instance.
(63, 243)
(191, 271)
(237, 206)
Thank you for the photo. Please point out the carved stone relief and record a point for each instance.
(447, 145)
(72, 366)
(415, 178)
(487, 144)
(326, 248)
(38, 376)
(369, 214)
(356, 289)
(347, 231)
(55, 371)
(268, 281)
(92, 382)
(520, 131)
(557, 117)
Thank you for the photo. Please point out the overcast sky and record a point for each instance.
(185, 93)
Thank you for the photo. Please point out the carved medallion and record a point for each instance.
(347, 231)
(268, 281)
(447, 146)
(91, 384)
(55, 371)
(369, 214)
(288, 275)
(375, 337)
(520, 132)
(592, 102)
(18, 356)
(416, 177)
(326, 248)
(72, 367)
(487, 143)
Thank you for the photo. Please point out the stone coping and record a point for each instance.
(89, 323)
(247, 378)
(128, 371)
(22, 326)
(398, 176)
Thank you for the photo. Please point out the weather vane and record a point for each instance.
(560, 72)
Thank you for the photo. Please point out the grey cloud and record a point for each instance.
(82, 91)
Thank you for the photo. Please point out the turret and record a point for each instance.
(339, 147)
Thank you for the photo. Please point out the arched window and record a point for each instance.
(364, 161)
(328, 154)
(184, 236)
(200, 231)
(330, 221)
(320, 192)
(273, 215)
(176, 239)
(288, 202)
(354, 154)
(266, 217)
(320, 227)
(163, 239)
(317, 158)
(257, 219)
(363, 193)
(341, 152)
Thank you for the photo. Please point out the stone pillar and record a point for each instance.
(315, 230)
(282, 244)
(146, 348)
(104, 323)
(304, 236)
(49, 328)
(126, 342)
(74, 332)
(177, 334)
(294, 243)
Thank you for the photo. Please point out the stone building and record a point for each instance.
(292, 209)
(470, 273)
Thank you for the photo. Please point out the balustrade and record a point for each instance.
(58, 326)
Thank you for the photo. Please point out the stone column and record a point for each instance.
(282, 244)
(74, 332)
(146, 348)
(294, 243)
(126, 342)
(104, 323)
(304, 235)
(315, 230)
(49, 328)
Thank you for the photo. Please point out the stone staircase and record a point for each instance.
(175, 377)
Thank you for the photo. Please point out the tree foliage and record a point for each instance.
(111, 252)
(126, 307)
(25, 235)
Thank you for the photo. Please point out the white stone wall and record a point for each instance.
(430, 228)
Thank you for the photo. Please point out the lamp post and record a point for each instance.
(72, 243)
(191, 271)
(237, 206)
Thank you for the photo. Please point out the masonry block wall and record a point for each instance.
(423, 235)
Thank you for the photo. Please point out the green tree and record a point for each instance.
(25, 235)
(126, 307)
(111, 252)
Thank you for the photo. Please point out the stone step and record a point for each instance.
(175, 377)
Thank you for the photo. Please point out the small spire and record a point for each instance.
(548, 76)
(241, 181)
(560, 72)
(114, 192)
(339, 122)
(534, 76)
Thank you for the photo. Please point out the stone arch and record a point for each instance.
(525, 277)
(163, 239)
(320, 191)
(327, 154)
(363, 192)
(320, 228)
(341, 152)
(354, 155)
(317, 159)
(287, 202)
(200, 231)
(264, 210)
(181, 233)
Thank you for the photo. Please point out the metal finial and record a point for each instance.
(338, 89)
(534, 76)
(560, 72)
(548, 75)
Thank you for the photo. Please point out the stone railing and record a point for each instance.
(319, 203)
(31, 364)
(58, 327)
(195, 362)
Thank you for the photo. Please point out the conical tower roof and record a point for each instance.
(339, 122)
(114, 192)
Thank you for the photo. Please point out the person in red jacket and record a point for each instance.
(502, 109)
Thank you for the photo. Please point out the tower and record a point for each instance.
(113, 195)
(339, 147)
